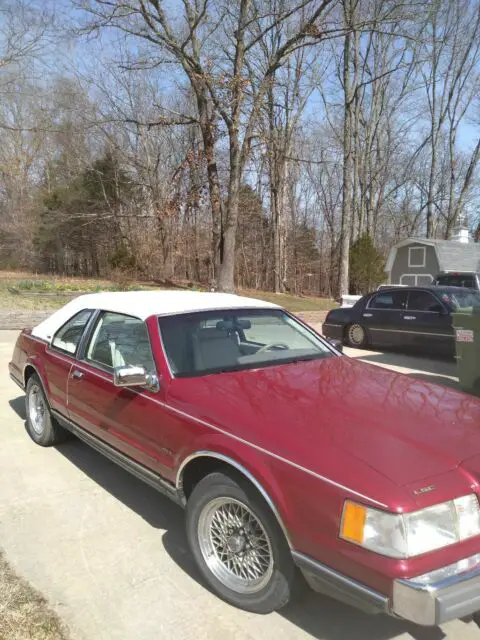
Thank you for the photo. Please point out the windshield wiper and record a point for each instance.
(315, 356)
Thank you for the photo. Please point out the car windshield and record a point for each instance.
(462, 300)
(221, 341)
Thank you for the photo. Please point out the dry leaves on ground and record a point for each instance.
(24, 613)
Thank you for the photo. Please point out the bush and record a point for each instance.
(29, 285)
(122, 260)
(366, 266)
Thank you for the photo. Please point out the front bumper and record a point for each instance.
(425, 600)
(431, 602)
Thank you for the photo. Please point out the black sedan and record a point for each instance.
(417, 318)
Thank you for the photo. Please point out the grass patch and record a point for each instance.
(60, 290)
(71, 287)
(24, 613)
(292, 303)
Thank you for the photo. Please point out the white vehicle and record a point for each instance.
(389, 286)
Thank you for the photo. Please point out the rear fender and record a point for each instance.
(30, 359)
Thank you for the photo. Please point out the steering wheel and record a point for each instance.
(270, 345)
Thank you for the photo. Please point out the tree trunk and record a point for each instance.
(278, 197)
(226, 279)
(434, 129)
(207, 128)
(282, 222)
(431, 189)
(278, 151)
(346, 223)
(451, 214)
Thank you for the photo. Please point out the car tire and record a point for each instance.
(41, 426)
(232, 531)
(356, 336)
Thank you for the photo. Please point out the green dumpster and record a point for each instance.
(466, 324)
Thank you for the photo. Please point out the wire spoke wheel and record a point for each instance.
(235, 545)
(37, 409)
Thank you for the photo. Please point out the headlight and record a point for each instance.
(411, 534)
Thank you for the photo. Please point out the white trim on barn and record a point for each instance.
(393, 251)
(415, 276)
(424, 257)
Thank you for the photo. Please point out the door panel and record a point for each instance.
(383, 317)
(130, 419)
(429, 323)
(57, 367)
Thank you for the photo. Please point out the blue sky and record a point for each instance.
(68, 55)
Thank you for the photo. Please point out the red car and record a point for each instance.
(284, 452)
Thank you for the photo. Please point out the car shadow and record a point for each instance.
(321, 617)
(318, 615)
(18, 405)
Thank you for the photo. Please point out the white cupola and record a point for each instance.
(461, 233)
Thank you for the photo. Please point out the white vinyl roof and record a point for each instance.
(143, 304)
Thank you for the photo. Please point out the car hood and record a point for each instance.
(403, 428)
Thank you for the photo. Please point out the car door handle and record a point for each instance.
(409, 317)
(367, 315)
(77, 374)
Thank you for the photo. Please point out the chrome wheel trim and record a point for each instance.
(37, 409)
(235, 545)
(356, 334)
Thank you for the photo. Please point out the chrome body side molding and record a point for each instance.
(136, 469)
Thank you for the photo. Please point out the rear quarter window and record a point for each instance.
(68, 337)
(389, 300)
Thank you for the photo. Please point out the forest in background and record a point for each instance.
(279, 145)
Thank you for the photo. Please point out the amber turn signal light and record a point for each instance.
(353, 522)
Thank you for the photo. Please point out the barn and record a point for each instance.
(417, 261)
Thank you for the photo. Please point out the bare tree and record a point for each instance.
(215, 50)
(25, 26)
(374, 49)
(193, 148)
(451, 54)
(285, 102)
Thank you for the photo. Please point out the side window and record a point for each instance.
(392, 300)
(119, 341)
(423, 301)
(68, 337)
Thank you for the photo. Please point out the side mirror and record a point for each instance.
(337, 344)
(134, 377)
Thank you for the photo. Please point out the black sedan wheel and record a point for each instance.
(356, 335)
